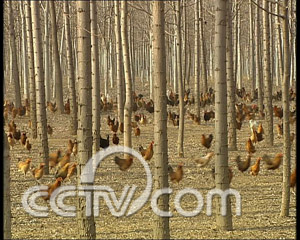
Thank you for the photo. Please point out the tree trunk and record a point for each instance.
(14, 69)
(58, 75)
(40, 85)
(31, 70)
(86, 224)
(197, 59)
(70, 71)
(47, 53)
(128, 82)
(95, 79)
(285, 202)
(180, 150)
(232, 143)
(258, 60)
(252, 48)
(203, 52)
(119, 63)
(221, 145)
(161, 224)
(24, 54)
(267, 77)
(6, 190)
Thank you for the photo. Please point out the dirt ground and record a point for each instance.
(261, 195)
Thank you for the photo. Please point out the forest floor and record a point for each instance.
(261, 195)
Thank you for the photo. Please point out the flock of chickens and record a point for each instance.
(63, 167)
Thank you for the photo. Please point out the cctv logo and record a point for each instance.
(117, 207)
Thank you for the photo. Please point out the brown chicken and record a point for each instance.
(65, 159)
(243, 165)
(11, 140)
(75, 148)
(272, 164)
(28, 145)
(206, 142)
(260, 129)
(52, 106)
(293, 179)
(24, 166)
(67, 107)
(11, 126)
(23, 138)
(16, 134)
(53, 158)
(255, 168)
(278, 112)
(52, 187)
(70, 145)
(249, 147)
(123, 163)
(279, 128)
(143, 119)
(149, 152)
(137, 132)
(253, 137)
(38, 172)
(114, 127)
(49, 130)
(176, 176)
(115, 139)
(72, 170)
(203, 161)
(63, 171)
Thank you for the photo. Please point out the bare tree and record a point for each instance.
(178, 9)
(221, 145)
(285, 203)
(86, 224)
(70, 71)
(14, 67)
(58, 75)
(267, 77)
(161, 224)
(40, 85)
(128, 82)
(95, 79)
(119, 63)
(31, 73)
(47, 53)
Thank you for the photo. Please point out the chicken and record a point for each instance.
(253, 125)
(176, 176)
(22, 111)
(143, 119)
(104, 143)
(176, 122)
(293, 179)
(75, 148)
(72, 170)
(23, 138)
(250, 147)
(70, 145)
(137, 117)
(142, 150)
(67, 107)
(114, 127)
(254, 137)
(272, 164)
(65, 159)
(52, 106)
(238, 125)
(115, 139)
(14, 112)
(260, 129)
(38, 172)
(53, 158)
(52, 187)
(10, 140)
(206, 142)
(16, 134)
(24, 166)
(278, 112)
(110, 121)
(123, 163)
(63, 171)
(259, 136)
(206, 116)
(137, 132)
(149, 152)
(279, 128)
(28, 145)
(243, 165)
(254, 170)
(203, 161)
(49, 130)
(11, 126)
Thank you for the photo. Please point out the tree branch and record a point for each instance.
(274, 14)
